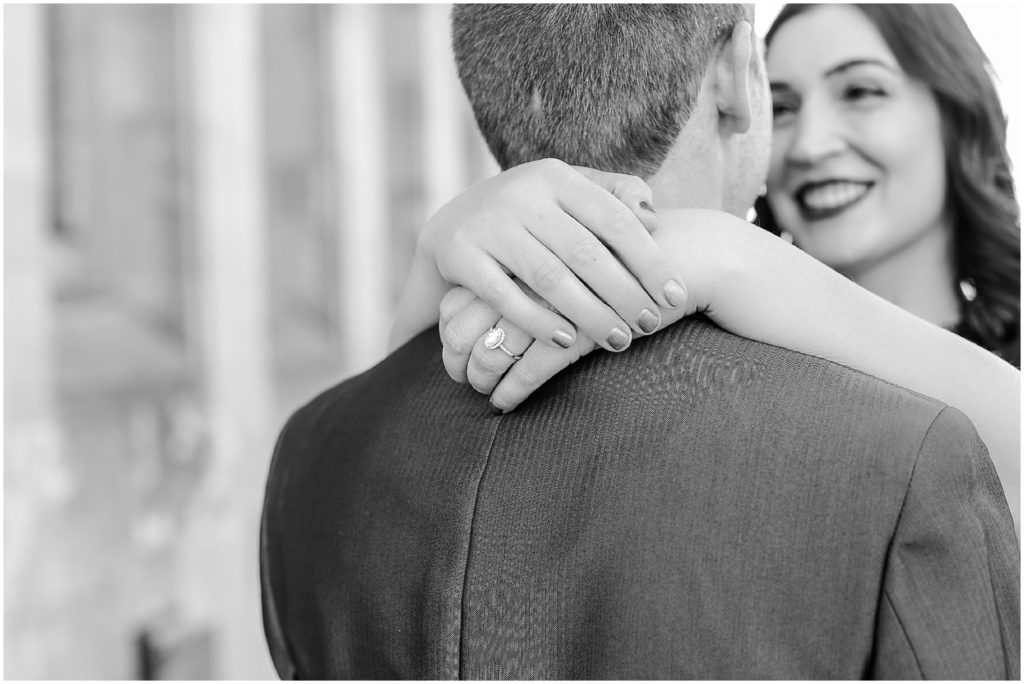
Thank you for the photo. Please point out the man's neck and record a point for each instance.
(690, 176)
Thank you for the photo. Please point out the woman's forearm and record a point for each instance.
(773, 292)
(911, 352)
(755, 285)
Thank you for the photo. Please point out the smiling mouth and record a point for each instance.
(828, 198)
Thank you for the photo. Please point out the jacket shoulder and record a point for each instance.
(951, 599)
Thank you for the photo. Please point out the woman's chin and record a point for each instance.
(845, 256)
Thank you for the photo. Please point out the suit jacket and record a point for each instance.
(701, 506)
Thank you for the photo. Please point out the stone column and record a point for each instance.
(220, 570)
(357, 94)
(36, 476)
(445, 110)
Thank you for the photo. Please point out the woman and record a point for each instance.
(890, 166)
(969, 247)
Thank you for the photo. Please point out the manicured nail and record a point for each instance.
(496, 411)
(675, 294)
(648, 321)
(618, 340)
(562, 339)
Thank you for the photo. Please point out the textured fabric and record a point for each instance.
(701, 506)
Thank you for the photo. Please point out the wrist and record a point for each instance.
(426, 241)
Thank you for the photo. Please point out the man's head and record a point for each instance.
(625, 88)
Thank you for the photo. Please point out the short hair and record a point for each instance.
(604, 86)
(934, 45)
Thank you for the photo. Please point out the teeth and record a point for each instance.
(833, 195)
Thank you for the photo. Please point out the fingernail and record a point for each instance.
(618, 340)
(562, 339)
(648, 321)
(496, 410)
(646, 206)
(675, 294)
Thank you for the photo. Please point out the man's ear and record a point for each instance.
(733, 78)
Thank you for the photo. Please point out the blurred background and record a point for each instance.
(208, 215)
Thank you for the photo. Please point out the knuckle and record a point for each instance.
(547, 277)
(634, 185)
(552, 167)
(621, 222)
(489, 364)
(456, 341)
(535, 319)
(657, 268)
(525, 377)
(449, 305)
(505, 196)
(493, 292)
(461, 240)
(587, 250)
(445, 267)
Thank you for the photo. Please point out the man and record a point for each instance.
(702, 506)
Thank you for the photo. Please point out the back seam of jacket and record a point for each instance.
(469, 542)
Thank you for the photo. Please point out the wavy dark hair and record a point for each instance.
(934, 45)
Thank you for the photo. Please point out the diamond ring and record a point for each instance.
(495, 338)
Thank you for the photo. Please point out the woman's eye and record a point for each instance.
(782, 109)
(857, 93)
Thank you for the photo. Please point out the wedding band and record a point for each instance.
(495, 338)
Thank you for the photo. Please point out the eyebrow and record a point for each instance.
(844, 66)
(840, 68)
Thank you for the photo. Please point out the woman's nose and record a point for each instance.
(818, 135)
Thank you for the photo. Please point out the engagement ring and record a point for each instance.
(495, 338)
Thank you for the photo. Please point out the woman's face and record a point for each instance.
(858, 166)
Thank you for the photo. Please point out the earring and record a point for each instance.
(968, 290)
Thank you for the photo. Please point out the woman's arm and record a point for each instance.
(575, 241)
(535, 221)
(775, 293)
(755, 285)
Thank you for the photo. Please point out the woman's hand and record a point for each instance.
(757, 286)
(579, 238)
(695, 240)
(465, 322)
(703, 244)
